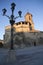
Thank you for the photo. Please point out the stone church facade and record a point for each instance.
(24, 34)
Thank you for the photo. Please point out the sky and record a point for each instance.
(35, 7)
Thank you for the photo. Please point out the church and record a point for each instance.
(24, 34)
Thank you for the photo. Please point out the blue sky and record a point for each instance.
(35, 7)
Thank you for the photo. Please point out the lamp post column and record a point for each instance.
(12, 23)
(11, 37)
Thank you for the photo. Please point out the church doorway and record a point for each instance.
(1, 45)
(34, 43)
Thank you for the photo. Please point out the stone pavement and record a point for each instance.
(26, 56)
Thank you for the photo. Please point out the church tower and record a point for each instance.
(28, 19)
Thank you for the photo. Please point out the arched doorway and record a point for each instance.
(1, 45)
(34, 43)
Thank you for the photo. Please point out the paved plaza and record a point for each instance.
(27, 56)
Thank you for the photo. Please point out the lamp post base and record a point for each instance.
(11, 57)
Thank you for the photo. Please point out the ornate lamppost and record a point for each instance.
(12, 20)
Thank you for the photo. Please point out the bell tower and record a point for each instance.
(28, 19)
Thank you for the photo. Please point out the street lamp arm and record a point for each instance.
(7, 16)
(17, 17)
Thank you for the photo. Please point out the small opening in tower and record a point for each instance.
(25, 22)
(19, 22)
(16, 23)
(29, 24)
(22, 22)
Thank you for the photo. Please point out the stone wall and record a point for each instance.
(22, 40)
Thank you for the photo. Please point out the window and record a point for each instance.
(16, 23)
(19, 22)
(25, 22)
(22, 22)
(29, 24)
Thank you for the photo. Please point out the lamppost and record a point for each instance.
(12, 20)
